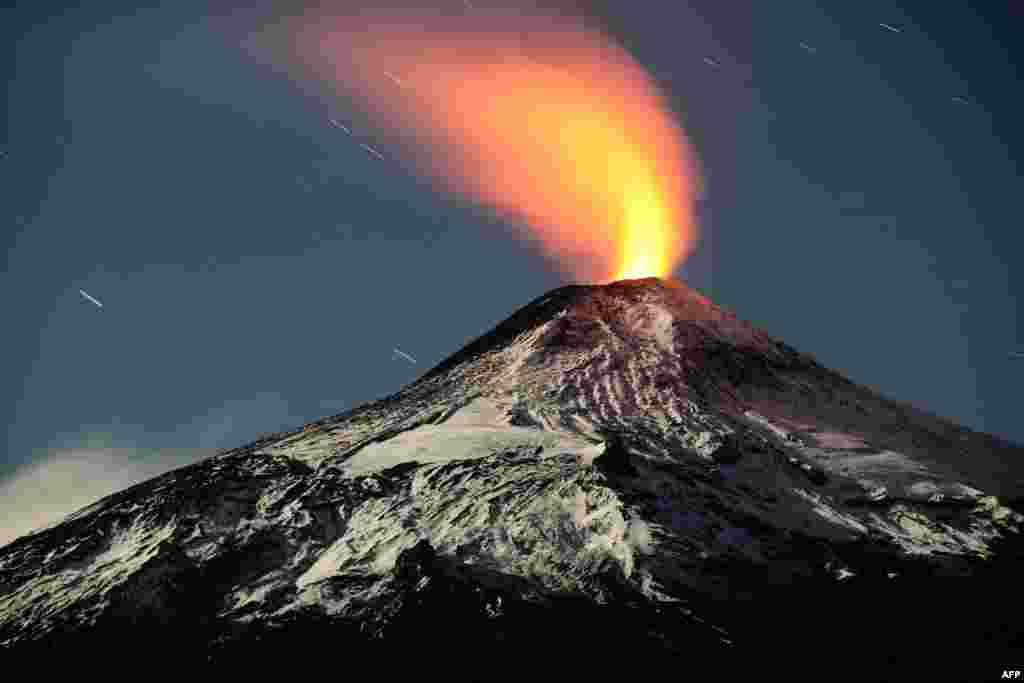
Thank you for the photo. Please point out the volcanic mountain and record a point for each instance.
(615, 476)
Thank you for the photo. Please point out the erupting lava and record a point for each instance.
(541, 118)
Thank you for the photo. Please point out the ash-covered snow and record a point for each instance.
(652, 322)
(445, 443)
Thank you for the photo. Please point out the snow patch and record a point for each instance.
(478, 412)
(375, 538)
(639, 536)
(447, 443)
(585, 426)
(258, 594)
(45, 595)
(134, 546)
(704, 443)
(586, 456)
(584, 519)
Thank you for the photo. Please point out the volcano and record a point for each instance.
(616, 477)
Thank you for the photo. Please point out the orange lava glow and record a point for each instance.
(543, 119)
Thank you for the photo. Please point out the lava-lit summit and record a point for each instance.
(626, 468)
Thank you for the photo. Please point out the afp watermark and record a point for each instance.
(1011, 675)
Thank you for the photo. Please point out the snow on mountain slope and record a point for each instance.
(629, 444)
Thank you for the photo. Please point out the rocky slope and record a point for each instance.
(621, 475)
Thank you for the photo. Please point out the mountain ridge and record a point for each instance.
(630, 446)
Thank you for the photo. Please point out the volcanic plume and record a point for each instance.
(544, 119)
(617, 475)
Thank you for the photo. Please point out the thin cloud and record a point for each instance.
(43, 493)
(81, 468)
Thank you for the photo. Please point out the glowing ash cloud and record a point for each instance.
(542, 118)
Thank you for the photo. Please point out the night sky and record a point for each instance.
(257, 267)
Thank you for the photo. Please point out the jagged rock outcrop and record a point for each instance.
(620, 475)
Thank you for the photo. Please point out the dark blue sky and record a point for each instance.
(257, 267)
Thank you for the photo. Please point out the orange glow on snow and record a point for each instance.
(541, 118)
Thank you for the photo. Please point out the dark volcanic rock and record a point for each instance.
(616, 477)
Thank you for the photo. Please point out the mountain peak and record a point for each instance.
(631, 445)
(657, 350)
(666, 311)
